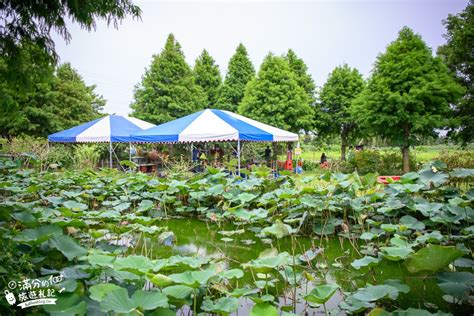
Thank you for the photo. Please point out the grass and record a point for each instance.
(422, 153)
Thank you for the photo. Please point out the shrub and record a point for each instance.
(376, 161)
(461, 159)
(86, 156)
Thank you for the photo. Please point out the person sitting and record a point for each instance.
(323, 162)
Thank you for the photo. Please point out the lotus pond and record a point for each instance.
(214, 244)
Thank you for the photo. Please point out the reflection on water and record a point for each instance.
(195, 237)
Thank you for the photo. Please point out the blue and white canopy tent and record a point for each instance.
(108, 129)
(213, 126)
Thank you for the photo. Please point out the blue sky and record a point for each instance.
(324, 33)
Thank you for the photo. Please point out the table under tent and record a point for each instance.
(212, 125)
(111, 129)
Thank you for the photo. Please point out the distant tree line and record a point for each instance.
(409, 94)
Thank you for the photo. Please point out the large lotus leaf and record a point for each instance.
(149, 300)
(428, 177)
(290, 275)
(245, 291)
(67, 305)
(263, 309)
(268, 264)
(135, 264)
(412, 223)
(160, 280)
(193, 278)
(396, 283)
(145, 205)
(225, 305)
(75, 206)
(278, 229)
(68, 246)
(38, 235)
(428, 209)
(456, 284)
(376, 292)
(396, 253)
(122, 206)
(321, 293)
(99, 291)
(178, 291)
(162, 312)
(432, 258)
(99, 260)
(354, 305)
(462, 173)
(310, 201)
(117, 301)
(389, 227)
(246, 197)
(232, 274)
(434, 237)
(367, 261)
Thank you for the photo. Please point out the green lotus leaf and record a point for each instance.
(149, 300)
(367, 261)
(264, 309)
(75, 206)
(372, 293)
(225, 305)
(432, 258)
(134, 263)
(99, 291)
(193, 279)
(396, 253)
(68, 246)
(321, 293)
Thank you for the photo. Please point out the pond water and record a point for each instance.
(203, 238)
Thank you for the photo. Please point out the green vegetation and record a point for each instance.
(333, 116)
(408, 95)
(168, 90)
(457, 53)
(239, 72)
(208, 77)
(114, 237)
(275, 97)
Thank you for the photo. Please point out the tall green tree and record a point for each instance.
(61, 102)
(31, 22)
(333, 116)
(408, 95)
(208, 77)
(458, 55)
(239, 72)
(302, 76)
(275, 97)
(168, 89)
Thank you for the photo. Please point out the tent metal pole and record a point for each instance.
(110, 154)
(238, 156)
(130, 151)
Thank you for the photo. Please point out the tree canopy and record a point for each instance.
(239, 72)
(208, 77)
(60, 102)
(458, 55)
(303, 78)
(168, 89)
(30, 22)
(333, 115)
(408, 95)
(275, 97)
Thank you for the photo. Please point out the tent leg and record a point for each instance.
(110, 155)
(130, 151)
(238, 156)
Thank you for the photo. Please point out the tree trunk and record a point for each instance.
(275, 151)
(406, 149)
